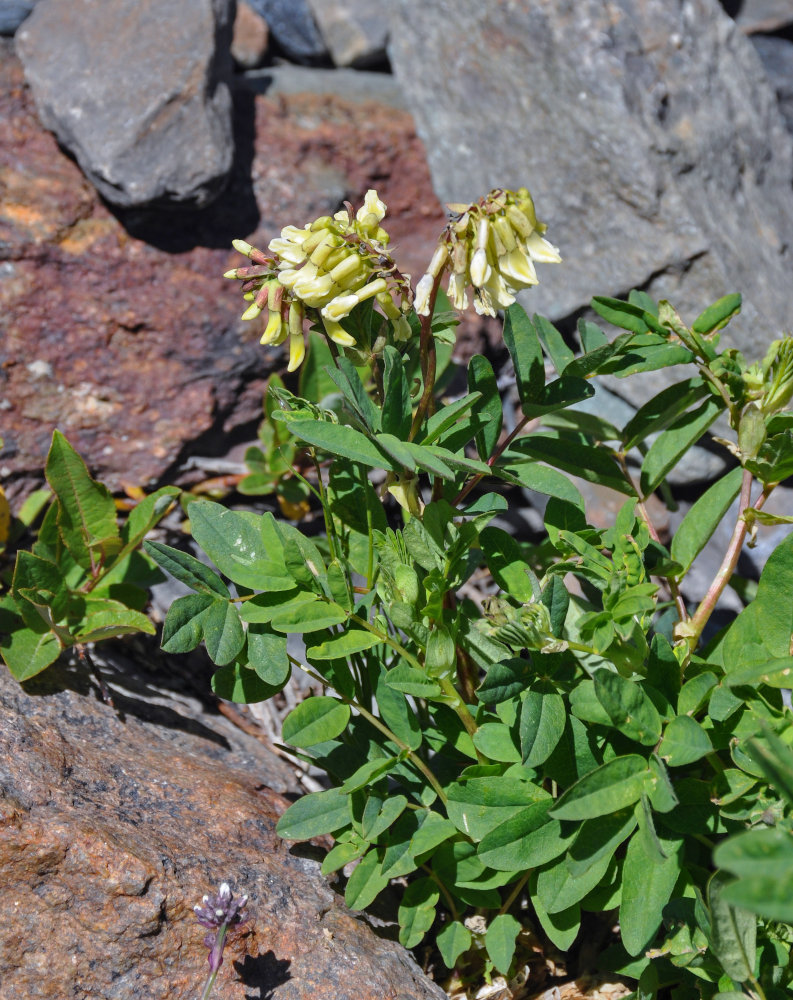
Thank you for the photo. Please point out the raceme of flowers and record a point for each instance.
(326, 268)
(490, 245)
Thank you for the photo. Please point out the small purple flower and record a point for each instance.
(219, 913)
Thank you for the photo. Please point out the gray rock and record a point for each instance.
(647, 132)
(136, 90)
(13, 13)
(292, 24)
(776, 55)
(349, 84)
(355, 31)
(763, 15)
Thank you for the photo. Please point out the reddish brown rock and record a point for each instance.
(251, 37)
(110, 833)
(119, 329)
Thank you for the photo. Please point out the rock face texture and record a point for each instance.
(355, 31)
(646, 130)
(120, 330)
(110, 833)
(292, 24)
(138, 92)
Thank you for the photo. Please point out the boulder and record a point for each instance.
(292, 25)
(776, 55)
(355, 31)
(137, 91)
(13, 13)
(112, 827)
(251, 37)
(647, 132)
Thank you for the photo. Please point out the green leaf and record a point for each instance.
(594, 464)
(558, 889)
(758, 854)
(433, 830)
(315, 720)
(374, 823)
(542, 722)
(238, 683)
(625, 315)
(775, 615)
(544, 480)
(308, 616)
(695, 693)
(718, 315)
(400, 857)
(396, 713)
(673, 443)
(348, 381)
(397, 409)
(505, 680)
(342, 854)
(267, 655)
(500, 938)
(447, 416)
(223, 634)
(183, 628)
(315, 383)
(479, 805)
(628, 707)
(417, 911)
(354, 640)
(86, 512)
(733, 936)
(452, 941)
(482, 379)
(660, 411)
(313, 815)
(526, 840)
(703, 518)
(145, 515)
(233, 541)
(411, 681)
(27, 652)
(344, 441)
(187, 569)
(612, 786)
(562, 927)
(684, 742)
(525, 350)
(506, 564)
(368, 773)
(554, 344)
(563, 392)
(105, 619)
(39, 582)
(599, 838)
(496, 742)
(647, 885)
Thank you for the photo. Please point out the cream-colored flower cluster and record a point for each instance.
(329, 266)
(491, 246)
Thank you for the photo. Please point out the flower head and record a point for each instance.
(322, 272)
(219, 913)
(491, 246)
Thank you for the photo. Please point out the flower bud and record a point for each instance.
(337, 333)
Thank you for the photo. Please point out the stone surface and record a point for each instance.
(776, 55)
(349, 84)
(120, 330)
(292, 24)
(355, 31)
(251, 37)
(137, 91)
(13, 13)
(108, 836)
(647, 132)
(763, 15)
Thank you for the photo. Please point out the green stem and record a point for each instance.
(329, 529)
(448, 898)
(214, 974)
(370, 533)
(461, 709)
(386, 638)
(515, 892)
(378, 724)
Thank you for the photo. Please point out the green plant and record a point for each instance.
(84, 579)
(566, 745)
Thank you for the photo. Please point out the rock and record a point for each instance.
(647, 132)
(13, 13)
(776, 55)
(349, 84)
(137, 349)
(251, 37)
(355, 31)
(763, 15)
(110, 833)
(137, 91)
(292, 24)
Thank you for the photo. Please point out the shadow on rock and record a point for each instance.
(263, 972)
(233, 213)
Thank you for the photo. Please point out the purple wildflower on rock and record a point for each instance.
(218, 913)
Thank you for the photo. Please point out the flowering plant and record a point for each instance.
(533, 738)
